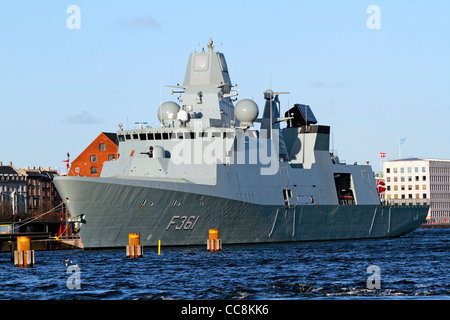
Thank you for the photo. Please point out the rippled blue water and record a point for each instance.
(415, 266)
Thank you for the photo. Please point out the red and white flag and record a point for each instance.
(381, 186)
(382, 154)
(67, 163)
(68, 156)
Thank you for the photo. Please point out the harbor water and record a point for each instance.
(414, 266)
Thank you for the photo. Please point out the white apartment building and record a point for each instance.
(419, 178)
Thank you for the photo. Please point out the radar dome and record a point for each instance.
(168, 111)
(246, 111)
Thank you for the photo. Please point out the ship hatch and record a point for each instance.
(287, 193)
(344, 190)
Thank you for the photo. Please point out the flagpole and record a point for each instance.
(382, 155)
(400, 147)
(381, 170)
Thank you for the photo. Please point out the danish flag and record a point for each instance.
(68, 157)
(383, 154)
(381, 186)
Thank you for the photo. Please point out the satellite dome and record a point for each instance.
(246, 111)
(182, 115)
(168, 111)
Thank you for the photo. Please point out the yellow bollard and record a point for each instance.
(23, 243)
(23, 256)
(159, 247)
(214, 243)
(134, 248)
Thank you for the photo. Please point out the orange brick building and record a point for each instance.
(90, 162)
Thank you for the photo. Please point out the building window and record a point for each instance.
(93, 158)
(423, 169)
(102, 147)
(424, 178)
(395, 170)
(77, 169)
(111, 157)
(93, 170)
(388, 170)
(402, 170)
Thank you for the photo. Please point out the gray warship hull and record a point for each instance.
(205, 168)
(178, 217)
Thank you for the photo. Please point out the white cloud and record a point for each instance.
(142, 23)
(85, 117)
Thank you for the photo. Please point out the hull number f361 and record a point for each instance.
(183, 222)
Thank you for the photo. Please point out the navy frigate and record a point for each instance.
(214, 164)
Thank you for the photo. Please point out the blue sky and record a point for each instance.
(59, 88)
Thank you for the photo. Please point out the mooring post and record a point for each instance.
(134, 249)
(214, 243)
(23, 256)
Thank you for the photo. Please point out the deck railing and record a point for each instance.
(406, 202)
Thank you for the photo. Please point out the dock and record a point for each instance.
(40, 241)
(434, 225)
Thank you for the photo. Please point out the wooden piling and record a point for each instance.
(214, 243)
(134, 249)
(23, 256)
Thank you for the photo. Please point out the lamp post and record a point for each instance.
(13, 209)
(12, 194)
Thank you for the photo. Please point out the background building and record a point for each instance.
(90, 162)
(13, 192)
(28, 199)
(419, 178)
(41, 194)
